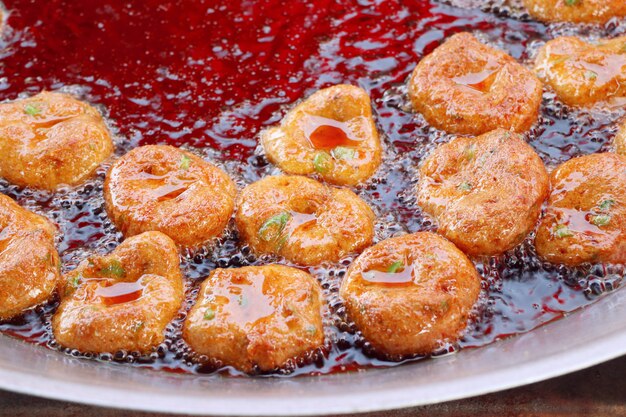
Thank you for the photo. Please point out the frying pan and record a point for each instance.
(589, 336)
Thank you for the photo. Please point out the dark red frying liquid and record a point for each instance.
(210, 76)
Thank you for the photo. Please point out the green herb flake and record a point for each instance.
(138, 326)
(74, 281)
(601, 220)
(464, 186)
(322, 162)
(606, 204)
(114, 269)
(444, 305)
(394, 267)
(185, 162)
(274, 226)
(341, 152)
(572, 2)
(591, 75)
(470, 152)
(31, 109)
(562, 231)
(209, 314)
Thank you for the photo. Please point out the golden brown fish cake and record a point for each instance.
(169, 190)
(122, 301)
(303, 220)
(51, 139)
(582, 73)
(256, 318)
(467, 87)
(586, 216)
(485, 192)
(331, 134)
(576, 11)
(409, 294)
(29, 262)
(619, 142)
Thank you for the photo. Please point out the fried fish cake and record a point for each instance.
(485, 192)
(586, 216)
(29, 262)
(331, 134)
(256, 318)
(583, 73)
(303, 220)
(409, 294)
(576, 11)
(51, 139)
(467, 87)
(169, 190)
(122, 301)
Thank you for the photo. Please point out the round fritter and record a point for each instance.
(122, 301)
(619, 142)
(331, 134)
(409, 294)
(51, 139)
(303, 220)
(586, 216)
(169, 190)
(29, 262)
(256, 318)
(485, 192)
(582, 73)
(576, 11)
(467, 87)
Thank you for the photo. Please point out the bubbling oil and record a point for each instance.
(209, 78)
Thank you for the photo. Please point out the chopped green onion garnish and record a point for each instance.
(591, 75)
(31, 110)
(185, 161)
(341, 152)
(607, 204)
(571, 2)
(601, 220)
(562, 231)
(274, 226)
(114, 268)
(394, 267)
(470, 152)
(75, 280)
(321, 162)
(209, 314)
(464, 186)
